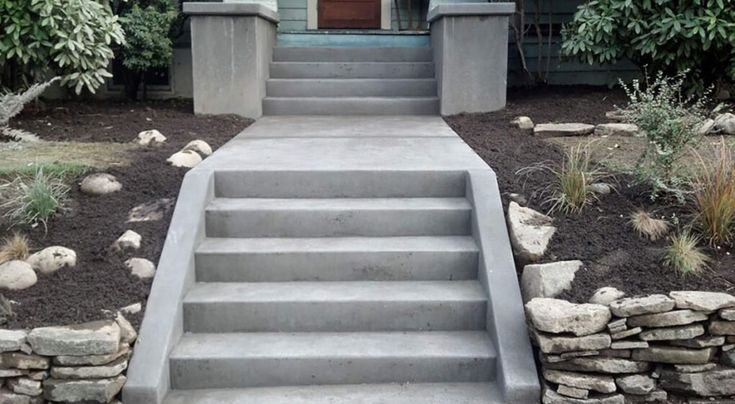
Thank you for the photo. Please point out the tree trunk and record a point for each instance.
(132, 79)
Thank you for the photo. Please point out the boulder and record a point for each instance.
(25, 386)
(606, 295)
(100, 184)
(552, 397)
(97, 391)
(702, 301)
(94, 338)
(552, 344)
(141, 267)
(548, 280)
(92, 360)
(669, 319)
(563, 129)
(19, 360)
(523, 123)
(129, 240)
(17, 275)
(725, 124)
(90, 372)
(199, 146)
(617, 129)
(636, 384)
(559, 316)
(705, 384)
(150, 137)
(12, 340)
(722, 328)
(51, 259)
(674, 355)
(673, 333)
(184, 158)
(530, 232)
(598, 383)
(634, 306)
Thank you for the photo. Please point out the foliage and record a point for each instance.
(668, 36)
(147, 26)
(683, 256)
(670, 122)
(36, 199)
(66, 171)
(15, 247)
(12, 104)
(70, 38)
(648, 226)
(714, 195)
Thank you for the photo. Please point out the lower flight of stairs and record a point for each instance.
(340, 299)
(351, 81)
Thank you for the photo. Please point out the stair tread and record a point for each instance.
(358, 99)
(411, 393)
(326, 292)
(337, 244)
(372, 345)
(339, 204)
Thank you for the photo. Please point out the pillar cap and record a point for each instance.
(231, 9)
(470, 9)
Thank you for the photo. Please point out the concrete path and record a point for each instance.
(338, 260)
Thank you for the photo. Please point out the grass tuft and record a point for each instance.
(36, 199)
(60, 170)
(714, 195)
(15, 247)
(683, 256)
(648, 226)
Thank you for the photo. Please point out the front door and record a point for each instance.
(343, 14)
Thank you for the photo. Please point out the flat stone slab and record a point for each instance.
(727, 314)
(90, 372)
(12, 340)
(636, 384)
(629, 345)
(598, 383)
(674, 355)
(559, 316)
(673, 333)
(94, 338)
(551, 344)
(668, 319)
(552, 397)
(18, 360)
(705, 384)
(702, 301)
(635, 306)
(99, 390)
(563, 129)
(695, 368)
(626, 333)
(602, 365)
(701, 342)
(92, 360)
(722, 328)
(617, 129)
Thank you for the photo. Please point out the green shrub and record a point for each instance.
(37, 199)
(69, 38)
(713, 194)
(668, 36)
(683, 256)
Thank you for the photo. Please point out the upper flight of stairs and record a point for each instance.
(351, 81)
(364, 297)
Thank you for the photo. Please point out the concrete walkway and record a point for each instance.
(318, 259)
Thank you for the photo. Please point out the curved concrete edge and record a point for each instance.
(148, 374)
(469, 9)
(232, 9)
(506, 323)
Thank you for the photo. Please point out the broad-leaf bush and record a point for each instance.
(69, 38)
(668, 36)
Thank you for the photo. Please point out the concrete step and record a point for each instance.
(384, 87)
(350, 105)
(414, 393)
(281, 359)
(335, 306)
(352, 70)
(354, 39)
(266, 217)
(293, 54)
(336, 259)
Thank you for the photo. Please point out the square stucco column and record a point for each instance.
(470, 42)
(231, 47)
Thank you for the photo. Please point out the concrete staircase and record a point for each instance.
(351, 81)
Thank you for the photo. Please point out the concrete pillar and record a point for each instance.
(232, 45)
(470, 43)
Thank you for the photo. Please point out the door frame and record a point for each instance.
(312, 16)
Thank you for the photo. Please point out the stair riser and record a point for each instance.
(335, 70)
(339, 184)
(334, 316)
(351, 88)
(351, 106)
(331, 266)
(281, 54)
(336, 223)
(285, 371)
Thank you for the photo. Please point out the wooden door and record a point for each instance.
(362, 14)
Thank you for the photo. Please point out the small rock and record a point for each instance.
(98, 391)
(51, 259)
(128, 334)
(702, 301)
(12, 340)
(548, 280)
(629, 345)
(572, 392)
(199, 146)
(701, 342)
(563, 129)
(627, 333)
(151, 211)
(559, 344)
(727, 314)
(17, 360)
(617, 129)
(559, 316)
(673, 333)
(90, 372)
(598, 383)
(128, 240)
(674, 355)
(25, 386)
(141, 267)
(94, 338)
(518, 198)
(185, 158)
(100, 184)
(552, 397)
(722, 328)
(669, 319)
(17, 275)
(634, 306)
(523, 123)
(530, 232)
(694, 368)
(150, 137)
(606, 295)
(616, 115)
(134, 308)
(619, 323)
(608, 365)
(93, 360)
(725, 124)
(706, 127)
(636, 384)
(600, 188)
(705, 384)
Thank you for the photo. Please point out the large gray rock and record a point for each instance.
(725, 124)
(673, 333)
(75, 391)
(530, 232)
(94, 338)
(552, 397)
(51, 259)
(12, 340)
(563, 129)
(100, 184)
(17, 275)
(548, 280)
(635, 306)
(669, 319)
(636, 384)
(559, 316)
(606, 295)
(552, 344)
(722, 328)
(706, 384)
(702, 301)
(674, 355)
(90, 372)
(598, 383)
(617, 129)
(601, 364)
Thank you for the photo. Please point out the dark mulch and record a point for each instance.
(100, 280)
(600, 236)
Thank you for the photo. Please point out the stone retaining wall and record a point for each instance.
(652, 349)
(79, 363)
